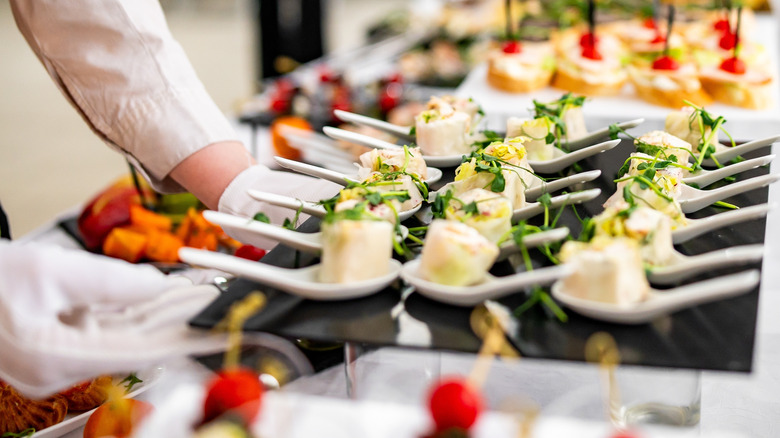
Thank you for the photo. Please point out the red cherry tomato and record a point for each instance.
(649, 23)
(237, 391)
(454, 404)
(512, 46)
(728, 41)
(624, 434)
(250, 252)
(659, 38)
(665, 63)
(733, 65)
(390, 97)
(588, 40)
(591, 53)
(280, 105)
(722, 25)
(397, 78)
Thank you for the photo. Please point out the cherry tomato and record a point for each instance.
(722, 25)
(588, 40)
(624, 434)
(238, 391)
(280, 105)
(390, 97)
(659, 38)
(728, 41)
(395, 78)
(649, 23)
(591, 53)
(116, 418)
(454, 404)
(250, 252)
(665, 63)
(734, 65)
(512, 46)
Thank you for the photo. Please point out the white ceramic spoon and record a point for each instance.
(532, 241)
(598, 135)
(661, 302)
(434, 174)
(303, 282)
(531, 209)
(697, 227)
(683, 266)
(310, 208)
(372, 142)
(692, 199)
(726, 154)
(562, 160)
(538, 187)
(703, 177)
(306, 242)
(491, 287)
(403, 132)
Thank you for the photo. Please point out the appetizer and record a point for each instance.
(588, 64)
(606, 269)
(735, 83)
(487, 212)
(645, 185)
(502, 168)
(698, 127)
(537, 131)
(456, 254)
(404, 160)
(651, 229)
(667, 82)
(386, 205)
(442, 130)
(356, 245)
(521, 67)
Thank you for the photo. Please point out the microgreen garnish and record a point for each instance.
(130, 381)
(554, 111)
(262, 217)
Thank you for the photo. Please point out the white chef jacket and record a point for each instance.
(118, 64)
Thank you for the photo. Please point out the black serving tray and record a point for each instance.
(713, 336)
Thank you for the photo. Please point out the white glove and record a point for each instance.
(68, 316)
(235, 199)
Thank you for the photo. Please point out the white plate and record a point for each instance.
(72, 422)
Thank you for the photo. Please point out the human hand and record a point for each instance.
(68, 316)
(235, 199)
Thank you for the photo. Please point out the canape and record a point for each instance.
(456, 254)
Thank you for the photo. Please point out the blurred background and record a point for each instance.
(51, 163)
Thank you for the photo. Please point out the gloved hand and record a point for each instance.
(235, 199)
(68, 316)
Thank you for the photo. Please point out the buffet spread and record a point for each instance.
(557, 231)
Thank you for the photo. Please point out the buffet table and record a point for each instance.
(740, 403)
